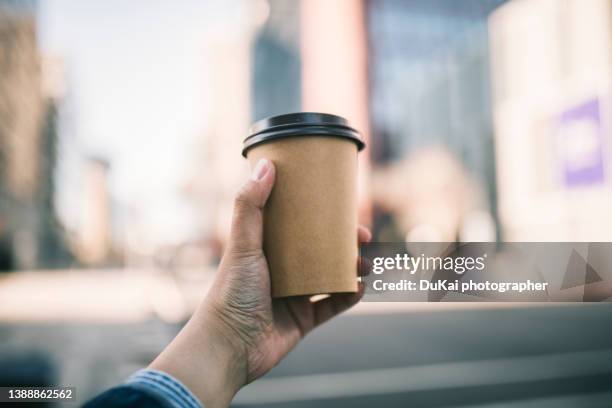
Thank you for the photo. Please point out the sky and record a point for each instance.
(135, 78)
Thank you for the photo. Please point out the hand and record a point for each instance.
(239, 332)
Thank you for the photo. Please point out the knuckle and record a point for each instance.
(246, 199)
(242, 200)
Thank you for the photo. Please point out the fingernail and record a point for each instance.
(260, 170)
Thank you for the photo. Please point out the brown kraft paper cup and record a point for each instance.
(310, 218)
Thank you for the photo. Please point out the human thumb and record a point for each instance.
(247, 223)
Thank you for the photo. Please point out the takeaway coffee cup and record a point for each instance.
(310, 219)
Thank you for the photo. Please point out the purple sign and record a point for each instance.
(580, 142)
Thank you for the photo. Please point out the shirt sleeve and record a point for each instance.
(165, 386)
(147, 389)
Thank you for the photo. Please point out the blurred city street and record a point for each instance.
(429, 355)
(547, 356)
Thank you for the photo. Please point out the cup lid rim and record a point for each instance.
(300, 124)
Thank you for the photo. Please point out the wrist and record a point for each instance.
(205, 361)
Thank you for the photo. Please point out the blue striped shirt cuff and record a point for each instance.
(164, 386)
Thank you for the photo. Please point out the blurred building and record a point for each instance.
(552, 64)
(29, 233)
(430, 88)
(94, 235)
(219, 168)
(276, 62)
(335, 72)
(54, 249)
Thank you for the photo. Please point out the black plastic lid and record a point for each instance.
(300, 124)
